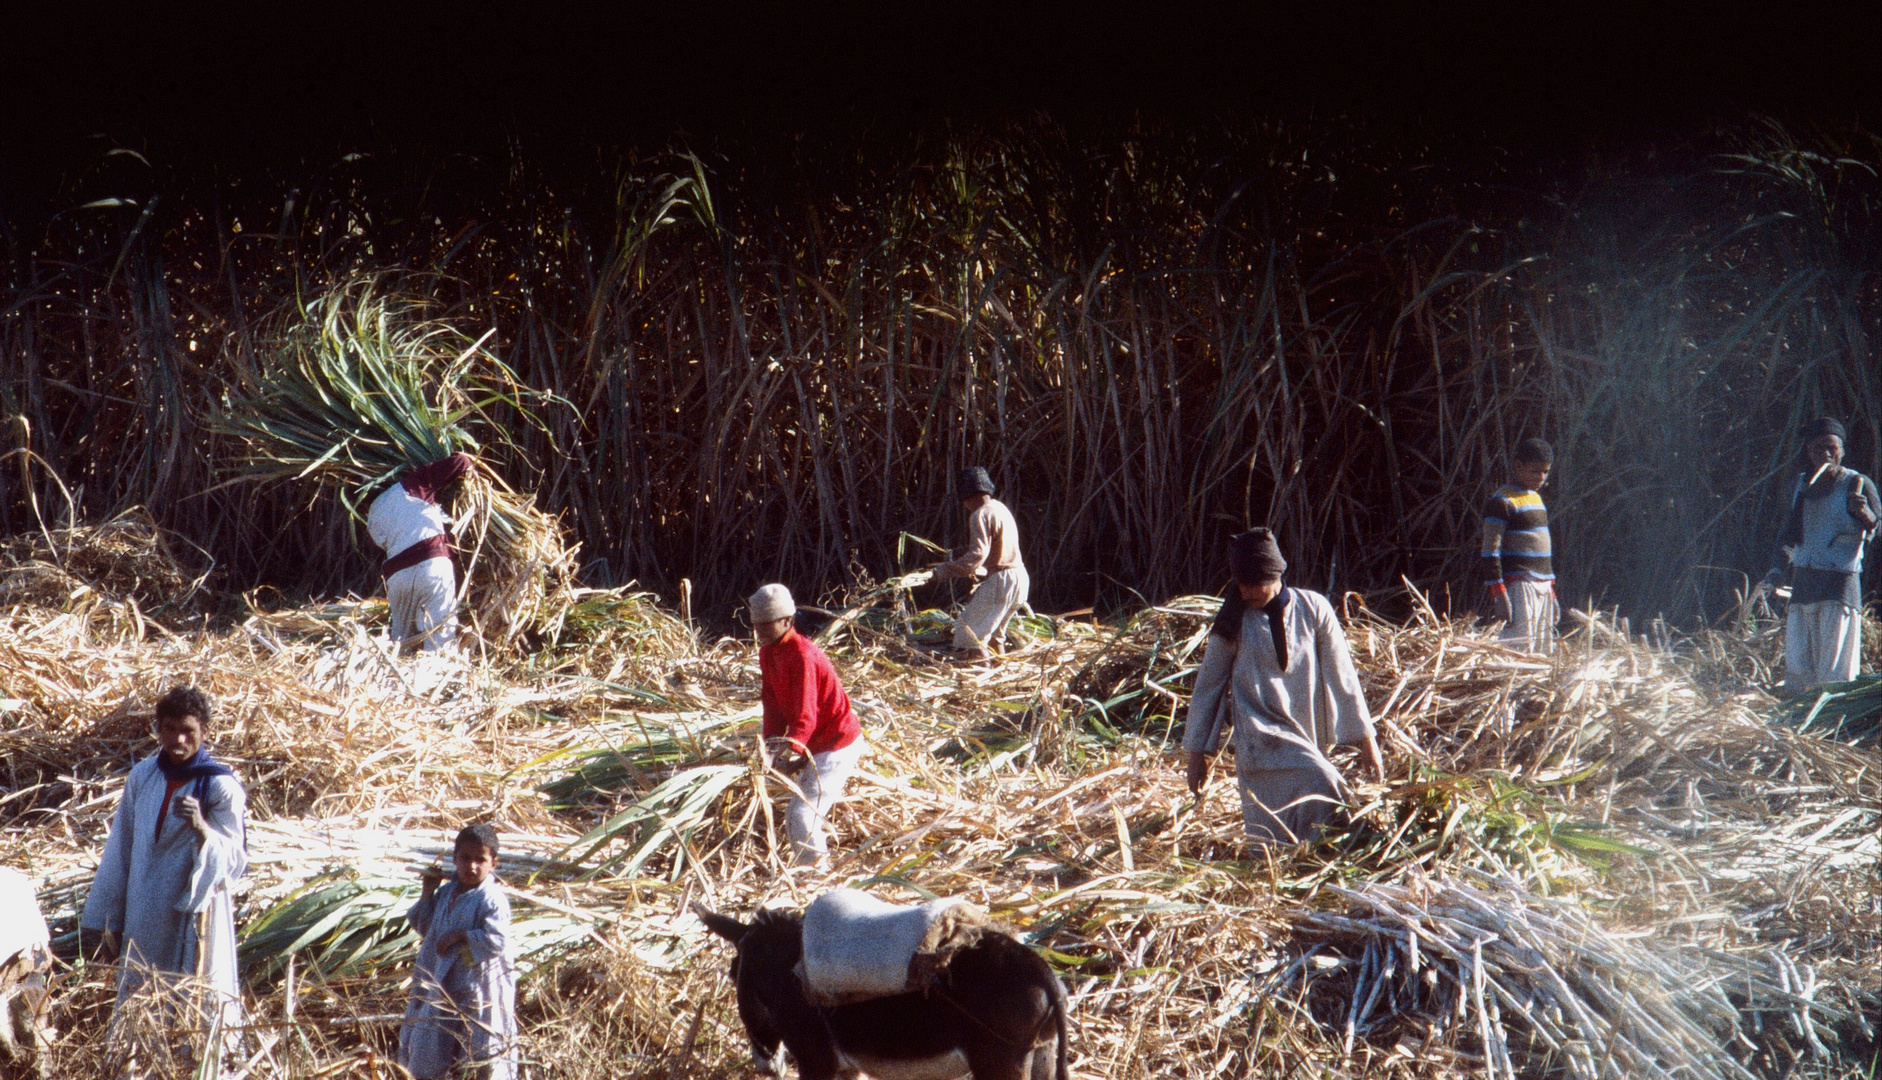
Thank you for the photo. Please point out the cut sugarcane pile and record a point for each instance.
(1512, 983)
(1626, 826)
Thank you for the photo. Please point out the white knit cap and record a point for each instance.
(771, 603)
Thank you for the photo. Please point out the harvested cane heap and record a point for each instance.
(1618, 862)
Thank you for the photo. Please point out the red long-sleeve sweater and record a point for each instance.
(803, 700)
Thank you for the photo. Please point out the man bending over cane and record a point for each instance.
(809, 727)
(1278, 673)
(993, 550)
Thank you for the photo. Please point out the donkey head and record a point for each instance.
(767, 953)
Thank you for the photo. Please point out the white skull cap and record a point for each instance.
(771, 603)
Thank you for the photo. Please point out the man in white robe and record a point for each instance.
(1277, 672)
(161, 901)
(409, 524)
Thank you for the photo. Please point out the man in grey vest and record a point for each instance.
(1833, 513)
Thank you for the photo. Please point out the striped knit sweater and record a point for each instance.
(1516, 537)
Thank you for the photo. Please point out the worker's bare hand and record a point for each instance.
(451, 941)
(190, 810)
(1500, 604)
(1373, 755)
(785, 757)
(1859, 509)
(1198, 771)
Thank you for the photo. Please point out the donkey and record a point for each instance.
(996, 1011)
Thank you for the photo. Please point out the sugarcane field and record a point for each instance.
(1302, 595)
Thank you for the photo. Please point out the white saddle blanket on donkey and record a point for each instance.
(858, 947)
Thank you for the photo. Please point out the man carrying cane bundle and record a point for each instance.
(408, 523)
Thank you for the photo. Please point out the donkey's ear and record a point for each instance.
(723, 925)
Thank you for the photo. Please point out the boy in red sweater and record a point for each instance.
(809, 726)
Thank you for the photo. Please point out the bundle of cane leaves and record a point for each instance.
(1846, 711)
(1484, 821)
(360, 384)
(660, 744)
(666, 817)
(348, 922)
(342, 922)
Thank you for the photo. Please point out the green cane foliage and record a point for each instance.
(609, 771)
(1846, 711)
(341, 922)
(360, 384)
(347, 922)
(666, 816)
(357, 387)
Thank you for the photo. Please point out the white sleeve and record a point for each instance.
(1204, 728)
(222, 856)
(104, 904)
(1352, 720)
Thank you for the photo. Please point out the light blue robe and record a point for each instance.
(1282, 719)
(153, 885)
(463, 1006)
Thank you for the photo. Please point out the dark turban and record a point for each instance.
(1824, 425)
(1254, 557)
(974, 481)
(1535, 450)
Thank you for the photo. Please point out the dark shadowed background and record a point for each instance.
(1165, 271)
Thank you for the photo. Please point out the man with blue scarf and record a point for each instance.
(161, 901)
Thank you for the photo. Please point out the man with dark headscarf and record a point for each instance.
(1278, 673)
(993, 550)
(1832, 515)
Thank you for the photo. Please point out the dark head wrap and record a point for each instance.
(1824, 425)
(974, 481)
(1536, 450)
(1255, 557)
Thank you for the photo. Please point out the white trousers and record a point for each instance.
(424, 605)
(1822, 644)
(821, 782)
(983, 620)
(1533, 615)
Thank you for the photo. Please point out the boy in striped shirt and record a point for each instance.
(1516, 563)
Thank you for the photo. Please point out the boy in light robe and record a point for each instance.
(1278, 674)
(462, 1017)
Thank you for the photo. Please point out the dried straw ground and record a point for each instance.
(1608, 864)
